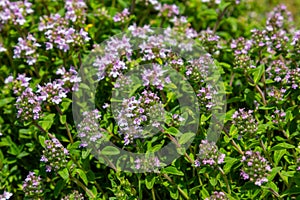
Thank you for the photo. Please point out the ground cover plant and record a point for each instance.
(149, 99)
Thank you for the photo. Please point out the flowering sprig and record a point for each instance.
(137, 112)
(245, 122)
(147, 164)
(29, 106)
(75, 195)
(122, 16)
(26, 48)
(60, 35)
(5, 195)
(33, 186)
(209, 154)
(217, 196)
(255, 168)
(14, 12)
(55, 156)
(19, 84)
(88, 129)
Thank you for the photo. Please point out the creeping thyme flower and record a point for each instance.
(19, 84)
(241, 46)
(209, 154)
(75, 10)
(26, 48)
(137, 112)
(167, 10)
(88, 129)
(296, 41)
(122, 16)
(275, 94)
(205, 96)
(294, 78)
(255, 168)
(110, 63)
(5, 195)
(32, 186)
(60, 35)
(244, 121)
(55, 156)
(217, 196)
(199, 69)
(259, 38)
(278, 117)
(278, 42)
(52, 93)
(209, 41)
(277, 71)
(155, 77)
(279, 19)
(28, 106)
(14, 12)
(69, 79)
(75, 195)
(147, 164)
(140, 32)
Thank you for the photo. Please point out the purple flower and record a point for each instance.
(52, 93)
(245, 122)
(147, 164)
(258, 169)
(122, 16)
(32, 186)
(26, 48)
(74, 195)
(5, 195)
(55, 156)
(69, 79)
(209, 154)
(14, 11)
(217, 196)
(89, 129)
(28, 106)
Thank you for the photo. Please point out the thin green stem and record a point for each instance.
(75, 180)
(178, 188)
(66, 124)
(153, 194)
(225, 179)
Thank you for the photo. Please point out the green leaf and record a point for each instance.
(172, 131)
(110, 150)
(274, 172)
(259, 71)
(64, 173)
(172, 170)
(229, 163)
(186, 138)
(58, 187)
(5, 101)
(63, 119)
(213, 181)
(150, 180)
(282, 146)
(42, 140)
(82, 175)
(278, 155)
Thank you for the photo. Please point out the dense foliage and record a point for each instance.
(59, 57)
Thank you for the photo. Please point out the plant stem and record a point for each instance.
(153, 194)
(90, 194)
(225, 178)
(221, 15)
(178, 188)
(66, 124)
